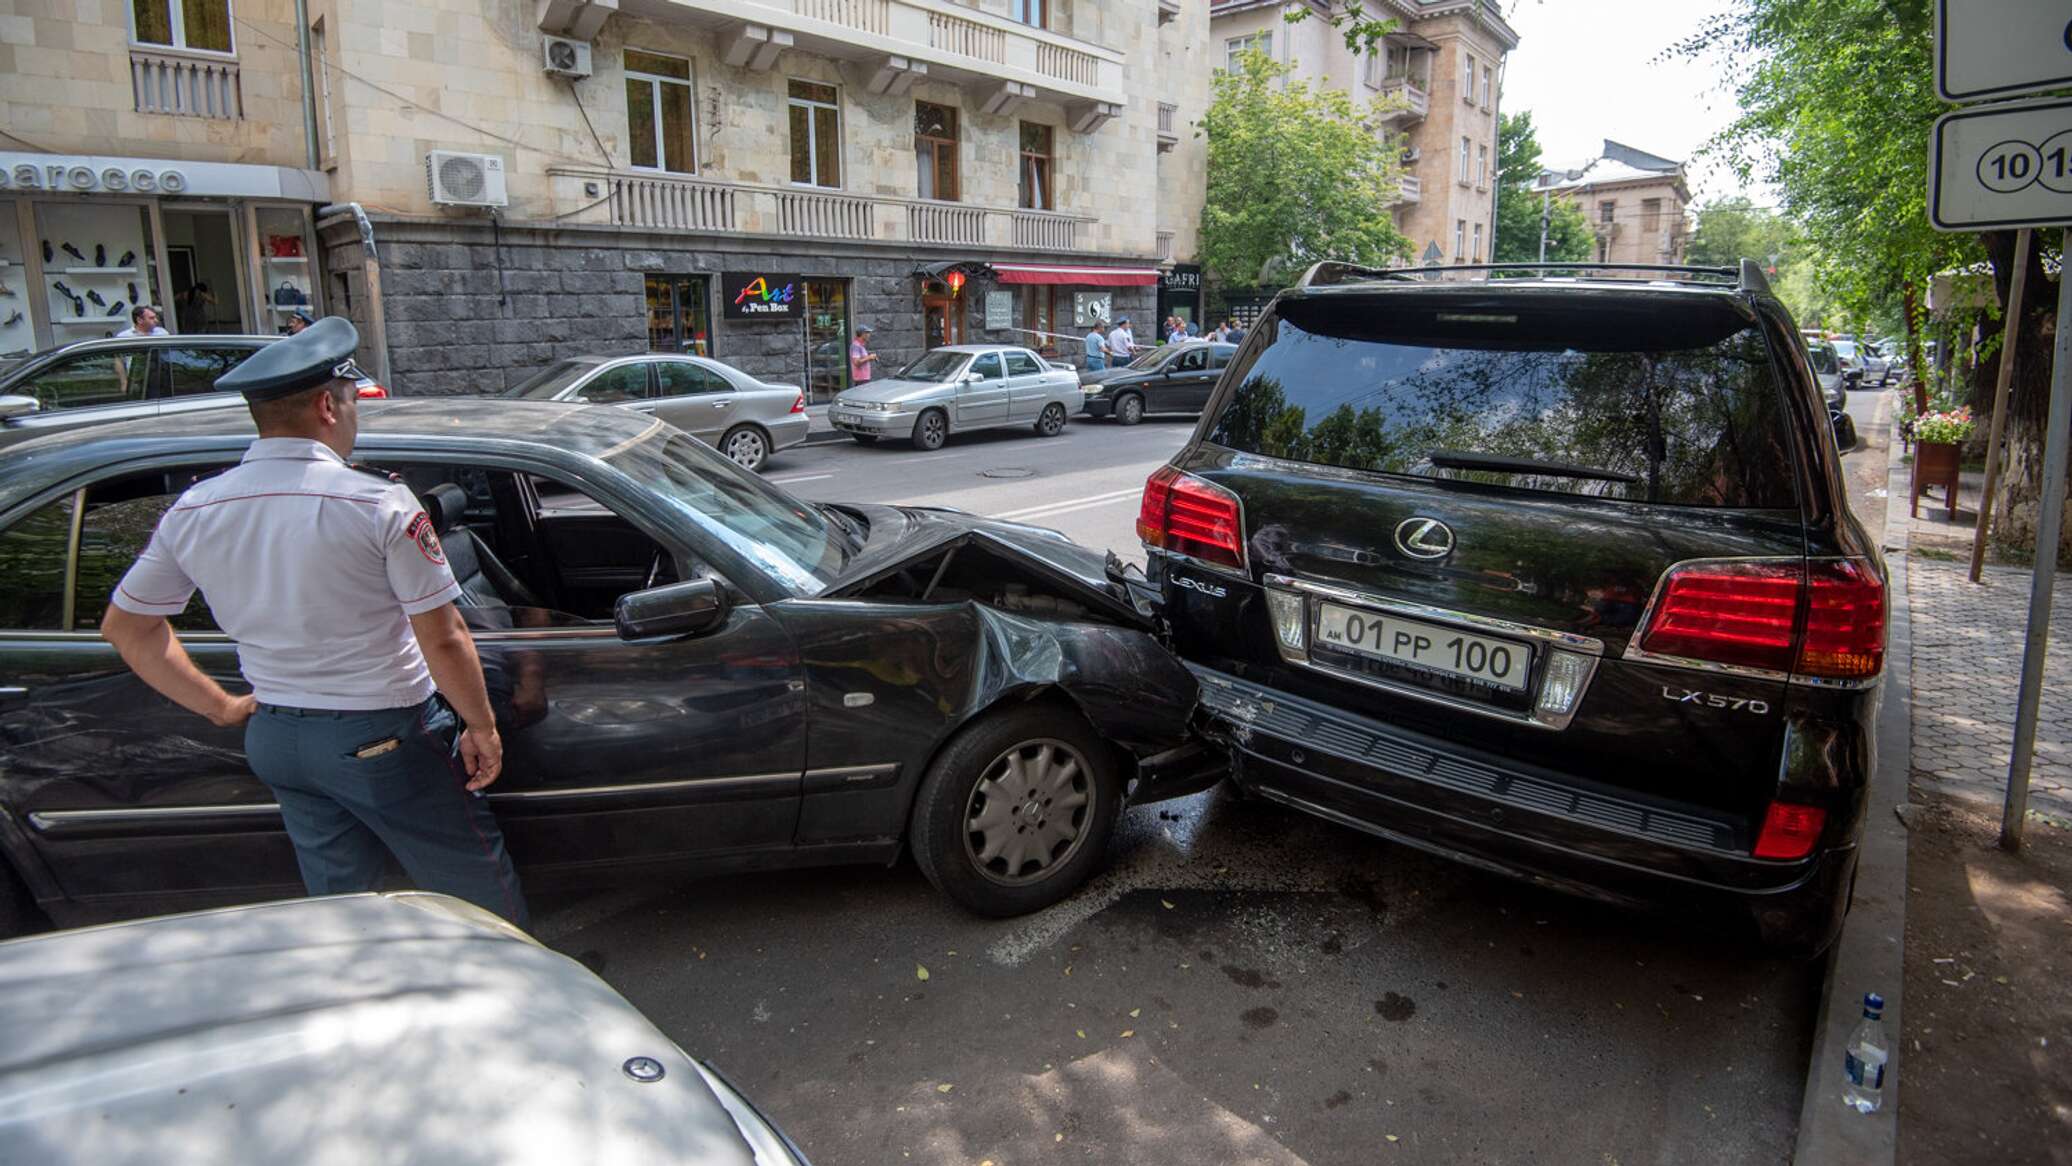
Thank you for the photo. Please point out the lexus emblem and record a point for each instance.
(1424, 538)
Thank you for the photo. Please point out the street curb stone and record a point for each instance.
(1870, 956)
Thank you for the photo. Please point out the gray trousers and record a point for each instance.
(347, 813)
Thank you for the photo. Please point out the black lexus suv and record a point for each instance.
(1552, 574)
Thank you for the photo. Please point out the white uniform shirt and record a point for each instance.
(313, 567)
(1121, 346)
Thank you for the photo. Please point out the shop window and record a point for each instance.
(935, 150)
(659, 112)
(1038, 319)
(97, 264)
(679, 318)
(816, 134)
(183, 24)
(288, 278)
(1036, 193)
(17, 330)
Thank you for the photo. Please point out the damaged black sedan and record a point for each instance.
(693, 672)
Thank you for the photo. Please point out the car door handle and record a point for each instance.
(722, 404)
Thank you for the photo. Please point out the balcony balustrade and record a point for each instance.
(167, 80)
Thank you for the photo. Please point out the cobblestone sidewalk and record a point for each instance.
(1967, 665)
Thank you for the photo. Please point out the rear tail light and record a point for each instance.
(369, 391)
(799, 405)
(1186, 515)
(1789, 831)
(1824, 619)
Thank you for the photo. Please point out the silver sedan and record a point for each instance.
(958, 388)
(740, 416)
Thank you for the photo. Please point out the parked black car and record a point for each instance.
(123, 378)
(692, 671)
(1172, 378)
(1556, 576)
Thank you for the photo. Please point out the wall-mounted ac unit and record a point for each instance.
(456, 179)
(564, 57)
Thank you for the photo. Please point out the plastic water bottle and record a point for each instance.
(1863, 1086)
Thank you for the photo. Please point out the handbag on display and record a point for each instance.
(284, 246)
(288, 295)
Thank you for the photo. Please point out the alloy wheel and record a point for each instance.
(1130, 409)
(931, 431)
(1052, 422)
(747, 449)
(1027, 815)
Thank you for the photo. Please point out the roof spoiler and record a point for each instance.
(1748, 276)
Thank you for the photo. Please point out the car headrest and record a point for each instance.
(446, 505)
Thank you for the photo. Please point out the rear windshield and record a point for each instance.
(1674, 404)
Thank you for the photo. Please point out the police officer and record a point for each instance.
(333, 584)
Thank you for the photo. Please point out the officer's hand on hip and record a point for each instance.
(235, 713)
(482, 751)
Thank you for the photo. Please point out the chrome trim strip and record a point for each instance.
(511, 635)
(43, 820)
(1639, 655)
(858, 770)
(1575, 643)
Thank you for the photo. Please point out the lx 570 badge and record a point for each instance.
(1735, 703)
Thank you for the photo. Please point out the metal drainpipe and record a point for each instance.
(309, 84)
(370, 266)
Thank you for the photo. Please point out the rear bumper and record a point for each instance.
(1361, 773)
(789, 430)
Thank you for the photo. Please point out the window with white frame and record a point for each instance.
(659, 112)
(1460, 239)
(183, 24)
(1467, 148)
(1467, 78)
(1376, 67)
(1477, 252)
(1482, 166)
(816, 134)
(1488, 84)
(1238, 46)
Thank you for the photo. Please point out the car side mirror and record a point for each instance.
(17, 406)
(673, 610)
(972, 378)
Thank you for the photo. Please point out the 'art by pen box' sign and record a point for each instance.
(759, 295)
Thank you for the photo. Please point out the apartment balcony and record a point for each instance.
(1410, 190)
(1168, 127)
(1416, 102)
(186, 84)
(643, 200)
(888, 45)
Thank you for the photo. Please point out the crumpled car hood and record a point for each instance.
(899, 535)
(333, 1031)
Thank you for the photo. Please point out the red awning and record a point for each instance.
(1095, 276)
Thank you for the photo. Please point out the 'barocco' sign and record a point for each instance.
(63, 175)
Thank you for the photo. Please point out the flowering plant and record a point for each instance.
(1951, 427)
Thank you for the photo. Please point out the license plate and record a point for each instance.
(1499, 663)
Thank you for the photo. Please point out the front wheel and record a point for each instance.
(1129, 409)
(1051, 421)
(1016, 812)
(746, 447)
(931, 429)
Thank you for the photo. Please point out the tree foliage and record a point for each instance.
(1295, 175)
(1518, 209)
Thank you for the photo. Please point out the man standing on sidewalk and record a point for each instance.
(333, 584)
(861, 358)
(1096, 347)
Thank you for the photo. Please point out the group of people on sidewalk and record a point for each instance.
(1117, 346)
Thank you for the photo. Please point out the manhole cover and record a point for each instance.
(1008, 472)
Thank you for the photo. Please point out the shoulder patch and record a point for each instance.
(426, 538)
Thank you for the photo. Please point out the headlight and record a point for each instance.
(875, 406)
(1092, 390)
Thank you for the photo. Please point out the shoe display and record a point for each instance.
(6, 291)
(13, 318)
(100, 256)
(94, 297)
(116, 308)
(74, 252)
(133, 291)
(67, 292)
(48, 254)
(127, 258)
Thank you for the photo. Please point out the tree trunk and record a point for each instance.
(2014, 520)
(1912, 301)
(2028, 395)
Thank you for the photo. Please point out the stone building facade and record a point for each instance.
(1443, 65)
(1636, 202)
(942, 170)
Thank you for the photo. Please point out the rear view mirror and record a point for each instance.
(675, 610)
(16, 406)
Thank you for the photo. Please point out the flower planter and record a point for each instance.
(1935, 464)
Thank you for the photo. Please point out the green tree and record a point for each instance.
(1731, 229)
(1836, 99)
(1519, 210)
(1295, 175)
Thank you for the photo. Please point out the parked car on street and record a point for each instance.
(1557, 576)
(744, 418)
(360, 1028)
(1827, 371)
(1172, 378)
(1877, 366)
(1849, 359)
(692, 670)
(123, 379)
(957, 389)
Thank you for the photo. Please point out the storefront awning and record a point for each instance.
(1090, 276)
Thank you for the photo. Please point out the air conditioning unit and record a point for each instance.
(564, 57)
(456, 179)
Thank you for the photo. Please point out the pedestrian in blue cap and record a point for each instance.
(333, 584)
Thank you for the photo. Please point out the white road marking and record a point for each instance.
(1069, 504)
(802, 478)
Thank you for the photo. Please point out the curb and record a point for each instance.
(1870, 955)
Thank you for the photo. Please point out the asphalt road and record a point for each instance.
(1243, 984)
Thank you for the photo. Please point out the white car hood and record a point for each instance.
(333, 1032)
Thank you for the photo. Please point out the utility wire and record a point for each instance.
(594, 136)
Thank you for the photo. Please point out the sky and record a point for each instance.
(1587, 70)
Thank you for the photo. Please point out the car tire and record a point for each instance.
(931, 429)
(865, 438)
(1051, 421)
(1017, 753)
(746, 446)
(1845, 433)
(1129, 409)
